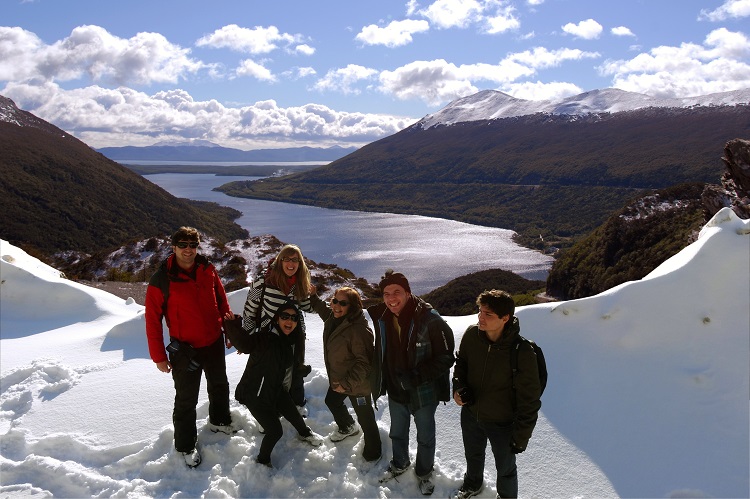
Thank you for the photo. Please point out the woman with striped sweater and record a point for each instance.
(286, 278)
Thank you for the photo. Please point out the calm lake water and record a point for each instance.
(429, 251)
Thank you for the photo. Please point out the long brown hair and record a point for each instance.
(278, 279)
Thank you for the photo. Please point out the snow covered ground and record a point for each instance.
(647, 396)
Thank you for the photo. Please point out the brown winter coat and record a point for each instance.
(347, 349)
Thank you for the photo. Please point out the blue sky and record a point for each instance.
(291, 73)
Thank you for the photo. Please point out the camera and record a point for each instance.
(174, 348)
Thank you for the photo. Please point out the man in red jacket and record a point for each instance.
(187, 292)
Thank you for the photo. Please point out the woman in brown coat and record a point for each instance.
(348, 344)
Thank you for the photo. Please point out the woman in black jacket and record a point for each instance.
(264, 387)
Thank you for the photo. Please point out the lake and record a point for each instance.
(429, 251)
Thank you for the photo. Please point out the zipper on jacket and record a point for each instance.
(262, 380)
(484, 371)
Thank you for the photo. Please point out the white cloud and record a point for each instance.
(729, 9)
(344, 79)
(258, 40)
(553, 91)
(434, 82)
(535, 2)
(621, 31)
(690, 69)
(502, 22)
(304, 72)
(304, 49)
(397, 33)
(438, 81)
(92, 52)
(453, 13)
(113, 117)
(16, 48)
(248, 67)
(588, 29)
(411, 7)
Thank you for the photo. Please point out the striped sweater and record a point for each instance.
(272, 299)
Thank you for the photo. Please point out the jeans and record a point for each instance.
(365, 416)
(187, 386)
(475, 434)
(424, 419)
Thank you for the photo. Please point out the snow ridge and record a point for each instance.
(491, 104)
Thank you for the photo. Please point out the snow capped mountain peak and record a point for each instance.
(491, 104)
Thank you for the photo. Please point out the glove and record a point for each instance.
(304, 370)
(467, 396)
(515, 449)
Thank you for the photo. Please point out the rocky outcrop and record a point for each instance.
(734, 191)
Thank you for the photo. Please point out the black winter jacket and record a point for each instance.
(424, 367)
(271, 360)
(485, 367)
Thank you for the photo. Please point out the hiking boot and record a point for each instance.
(264, 463)
(312, 438)
(339, 435)
(228, 428)
(192, 458)
(392, 471)
(426, 487)
(464, 492)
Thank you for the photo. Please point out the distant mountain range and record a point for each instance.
(492, 105)
(204, 150)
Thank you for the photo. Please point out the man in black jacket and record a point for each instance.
(496, 404)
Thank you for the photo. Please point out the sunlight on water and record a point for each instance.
(429, 251)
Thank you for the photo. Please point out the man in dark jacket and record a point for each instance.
(187, 292)
(496, 404)
(413, 356)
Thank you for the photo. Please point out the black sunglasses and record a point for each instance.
(288, 317)
(343, 303)
(183, 245)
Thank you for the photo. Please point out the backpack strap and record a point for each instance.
(160, 279)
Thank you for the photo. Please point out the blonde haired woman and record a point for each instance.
(287, 277)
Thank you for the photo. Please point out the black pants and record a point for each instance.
(365, 416)
(268, 417)
(476, 434)
(187, 387)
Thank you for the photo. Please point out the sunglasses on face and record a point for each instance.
(183, 245)
(286, 259)
(343, 303)
(288, 317)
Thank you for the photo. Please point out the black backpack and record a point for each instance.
(540, 362)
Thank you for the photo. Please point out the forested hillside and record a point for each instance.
(57, 194)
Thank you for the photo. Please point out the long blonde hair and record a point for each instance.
(278, 279)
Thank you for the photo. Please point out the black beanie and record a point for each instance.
(394, 278)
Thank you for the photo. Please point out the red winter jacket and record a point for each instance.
(195, 307)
